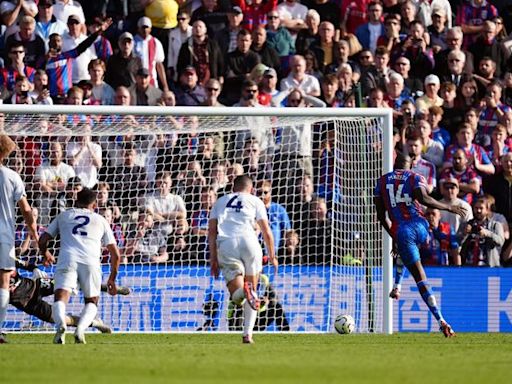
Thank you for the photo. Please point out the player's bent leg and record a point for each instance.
(236, 289)
(251, 306)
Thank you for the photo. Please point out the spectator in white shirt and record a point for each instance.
(298, 78)
(85, 157)
(71, 40)
(65, 8)
(151, 52)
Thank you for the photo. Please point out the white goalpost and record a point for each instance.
(158, 170)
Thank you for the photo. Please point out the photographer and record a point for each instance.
(484, 237)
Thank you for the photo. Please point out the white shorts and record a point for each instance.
(239, 256)
(88, 276)
(7, 257)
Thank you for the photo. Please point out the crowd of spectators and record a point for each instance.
(444, 67)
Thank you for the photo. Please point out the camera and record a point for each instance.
(475, 229)
(24, 94)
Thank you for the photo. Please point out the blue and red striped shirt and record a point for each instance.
(441, 240)
(8, 76)
(396, 191)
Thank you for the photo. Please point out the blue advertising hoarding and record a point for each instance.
(171, 299)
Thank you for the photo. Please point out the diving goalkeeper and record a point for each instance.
(27, 295)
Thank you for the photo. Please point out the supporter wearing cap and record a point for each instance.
(188, 91)
(142, 92)
(46, 22)
(70, 40)
(438, 29)
(150, 50)
(203, 53)
(62, 9)
(431, 97)
(34, 45)
(122, 66)
(268, 85)
(177, 37)
(226, 37)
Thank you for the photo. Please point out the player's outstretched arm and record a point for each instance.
(48, 258)
(115, 259)
(269, 242)
(212, 244)
(420, 194)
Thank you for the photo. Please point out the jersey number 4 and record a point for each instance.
(236, 207)
(399, 196)
(82, 222)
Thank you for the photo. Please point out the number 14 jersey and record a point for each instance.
(236, 214)
(396, 190)
(82, 235)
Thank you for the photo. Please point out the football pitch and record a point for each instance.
(275, 358)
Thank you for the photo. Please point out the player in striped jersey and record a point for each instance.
(399, 195)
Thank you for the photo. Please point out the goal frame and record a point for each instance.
(387, 147)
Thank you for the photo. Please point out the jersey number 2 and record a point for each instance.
(399, 196)
(236, 207)
(82, 222)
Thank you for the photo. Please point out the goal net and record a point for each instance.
(158, 170)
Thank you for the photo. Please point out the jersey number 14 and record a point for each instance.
(399, 196)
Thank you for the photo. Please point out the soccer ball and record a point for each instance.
(344, 324)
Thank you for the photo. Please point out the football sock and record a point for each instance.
(238, 296)
(59, 314)
(249, 319)
(399, 273)
(429, 299)
(87, 316)
(4, 303)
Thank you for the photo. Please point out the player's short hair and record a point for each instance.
(7, 146)
(241, 182)
(85, 197)
(402, 161)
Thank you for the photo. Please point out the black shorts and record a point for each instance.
(36, 306)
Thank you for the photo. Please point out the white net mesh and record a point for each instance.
(158, 176)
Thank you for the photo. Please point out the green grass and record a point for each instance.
(285, 358)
